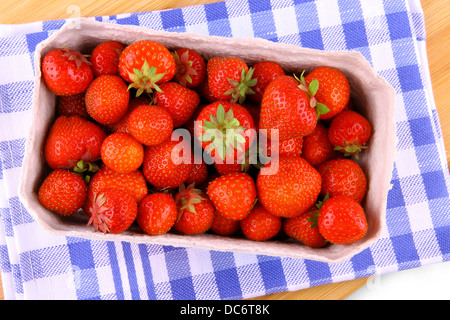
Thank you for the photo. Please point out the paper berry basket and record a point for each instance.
(373, 96)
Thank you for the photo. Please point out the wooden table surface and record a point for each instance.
(437, 23)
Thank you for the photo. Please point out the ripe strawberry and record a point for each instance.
(134, 183)
(195, 211)
(349, 132)
(66, 72)
(286, 107)
(189, 125)
(317, 147)
(224, 226)
(179, 101)
(229, 79)
(332, 90)
(72, 105)
(227, 168)
(63, 192)
(225, 130)
(168, 164)
(342, 220)
(205, 93)
(190, 68)
(157, 213)
(264, 72)
(70, 140)
(233, 195)
(260, 224)
(288, 186)
(305, 229)
(199, 173)
(145, 64)
(289, 147)
(150, 125)
(122, 153)
(343, 177)
(112, 211)
(107, 99)
(122, 124)
(105, 58)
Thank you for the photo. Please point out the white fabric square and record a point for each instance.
(382, 56)
(328, 12)
(285, 21)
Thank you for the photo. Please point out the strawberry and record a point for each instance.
(195, 211)
(225, 130)
(205, 93)
(264, 72)
(107, 99)
(134, 183)
(287, 108)
(349, 132)
(72, 105)
(190, 68)
(233, 195)
(224, 226)
(260, 224)
(150, 125)
(105, 58)
(343, 177)
(287, 186)
(342, 220)
(332, 90)
(199, 173)
(289, 147)
(122, 153)
(63, 192)
(229, 79)
(305, 229)
(112, 211)
(317, 148)
(157, 213)
(122, 124)
(167, 165)
(72, 139)
(179, 101)
(66, 72)
(145, 64)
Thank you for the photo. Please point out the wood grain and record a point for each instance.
(437, 22)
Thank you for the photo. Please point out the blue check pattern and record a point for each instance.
(391, 36)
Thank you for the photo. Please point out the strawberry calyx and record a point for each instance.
(98, 216)
(351, 148)
(186, 199)
(75, 56)
(311, 91)
(184, 67)
(224, 133)
(240, 89)
(314, 219)
(145, 79)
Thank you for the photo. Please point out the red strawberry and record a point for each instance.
(122, 124)
(290, 147)
(72, 105)
(317, 147)
(107, 99)
(288, 186)
(150, 125)
(63, 192)
(72, 139)
(205, 93)
(343, 177)
(260, 224)
(342, 220)
(331, 90)
(199, 173)
(349, 132)
(105, 58)
(190, 68)
(157, 213)
(287, 108)
(122, 153)
(179, 101)
(195, 211)
(146, 64)
(66, 72)
(305, 229)
(112, 211)
(233, 195)
(167, 165)
(225, 130)
(229, 79)
(264, 72)
(224, 226)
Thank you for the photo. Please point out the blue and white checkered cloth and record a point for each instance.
(389, 33)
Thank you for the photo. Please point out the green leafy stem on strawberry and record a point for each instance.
(311, 91)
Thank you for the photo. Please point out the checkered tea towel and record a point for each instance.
(391, 36)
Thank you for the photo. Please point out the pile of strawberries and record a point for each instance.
(174, 143)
